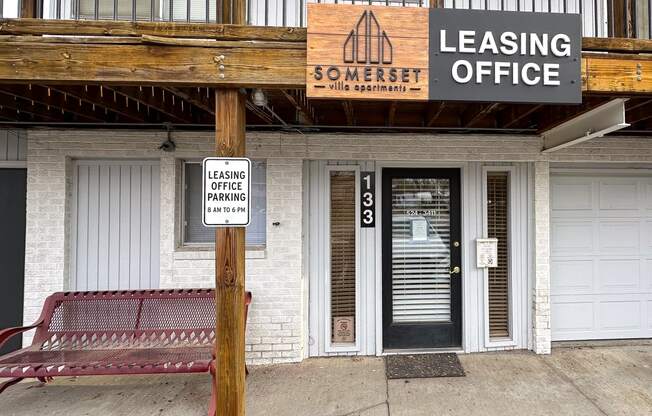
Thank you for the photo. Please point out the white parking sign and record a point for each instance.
(227, 184)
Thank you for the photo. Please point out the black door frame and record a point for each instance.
(428, 335)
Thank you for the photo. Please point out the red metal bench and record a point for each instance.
(117, 333)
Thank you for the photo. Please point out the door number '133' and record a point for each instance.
(367, 199)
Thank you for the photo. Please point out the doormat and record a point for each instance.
(423, 366)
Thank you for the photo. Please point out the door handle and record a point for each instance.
(455, 270)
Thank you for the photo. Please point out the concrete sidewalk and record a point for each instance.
(571, 381)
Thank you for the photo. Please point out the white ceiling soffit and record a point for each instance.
(594, 123)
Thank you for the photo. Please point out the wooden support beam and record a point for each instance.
(230, 268)
(617, 45)
(300, 103)
(433, 113)
(621, 16)
(55, 99)
(158, 99)
(28, 9)
(242, 64)
(617, 74)
(137, 29)
(230, 124)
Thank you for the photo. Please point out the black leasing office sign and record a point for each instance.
(505, 56)
(393, 53)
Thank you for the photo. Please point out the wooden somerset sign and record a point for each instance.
(367, 52)
(408, 53)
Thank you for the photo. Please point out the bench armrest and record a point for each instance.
(7, 333)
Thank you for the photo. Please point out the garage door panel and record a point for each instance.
(619, 315)
(619, 275)
(618, 195)
(601, 257)
(619, 236)
(578, 317)
(572, 276)
(572, 238)
(567, 195)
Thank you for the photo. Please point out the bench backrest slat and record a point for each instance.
(127, 319)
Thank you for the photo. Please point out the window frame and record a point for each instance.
(512, 340)
(183, 244)
(329, 345)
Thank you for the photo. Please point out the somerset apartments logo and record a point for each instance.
(367, 43)
(367, 56)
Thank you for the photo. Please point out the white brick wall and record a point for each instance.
(274, 274)
(275, 331)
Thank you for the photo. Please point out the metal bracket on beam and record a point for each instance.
(601, 120)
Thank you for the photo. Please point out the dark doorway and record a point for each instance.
(12, 251)
(422, 277)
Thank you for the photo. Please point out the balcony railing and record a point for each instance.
(600, 18)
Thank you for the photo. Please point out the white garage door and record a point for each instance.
(115, 225)
(601, 258)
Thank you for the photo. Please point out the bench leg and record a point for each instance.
(10, 383)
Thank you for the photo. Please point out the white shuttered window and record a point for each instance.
(194, 230)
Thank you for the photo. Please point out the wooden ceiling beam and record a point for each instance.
(156, 98)
(259, 112)
(513, 115)
(434, 110)
(104, 98)
(300, 103)
(347, 107)
(55, 99)
(391, 113)
(475, 113)
(34, 109)
(641, 113)
(202, 98)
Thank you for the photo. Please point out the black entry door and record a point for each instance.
(422, 278)
(12, 251)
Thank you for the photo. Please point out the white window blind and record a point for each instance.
(421, 289)
(498, 227)
(196, 233)
(343, 251)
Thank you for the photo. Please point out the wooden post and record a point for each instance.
(230, 268)
(230, 247)
(622, 14)
(28, 9)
